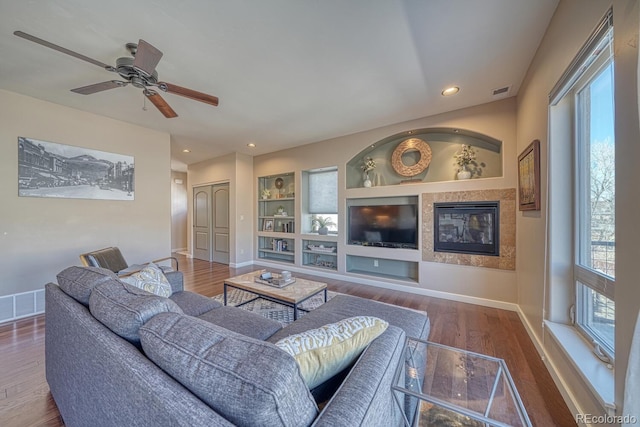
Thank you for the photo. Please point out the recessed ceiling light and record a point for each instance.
(186, 150)
(252, 145)
(450, 91)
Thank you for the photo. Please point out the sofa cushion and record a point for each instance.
(414, 323)
(243, 322)
(194, 304)
(324, 352)
(249, 382)
(78, 282)
(151, 279)
(124, 308)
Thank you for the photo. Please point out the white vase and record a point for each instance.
(367, 182)
(464, 173)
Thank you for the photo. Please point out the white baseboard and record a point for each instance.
(240, 264)
(395, 285)
(565, 391)
(25, 304)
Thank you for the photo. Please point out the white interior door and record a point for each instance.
(221, 223)
(202, 223)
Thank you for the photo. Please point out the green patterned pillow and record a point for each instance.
(322, 353)
(151, 279)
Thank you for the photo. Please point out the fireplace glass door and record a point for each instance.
(467, 228)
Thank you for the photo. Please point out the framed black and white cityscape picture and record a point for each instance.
(49, 169)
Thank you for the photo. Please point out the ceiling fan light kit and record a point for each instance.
(138, 70)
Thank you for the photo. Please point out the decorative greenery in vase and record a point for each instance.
(369, 165)
(464, 157)
(266, 193)
(322, 224)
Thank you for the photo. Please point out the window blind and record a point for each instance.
(323, 192)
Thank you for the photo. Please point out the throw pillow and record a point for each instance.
(151, 279)
(248, 381)
(324, 352)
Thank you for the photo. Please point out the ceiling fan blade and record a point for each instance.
(160, 104)
(62, 49)
(189, 93)
(99, 87)
(146, 58)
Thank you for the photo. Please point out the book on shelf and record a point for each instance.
(287, 227)
(279, 245)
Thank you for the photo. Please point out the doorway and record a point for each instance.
(211, 223)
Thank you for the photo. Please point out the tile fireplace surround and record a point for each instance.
(507, 199)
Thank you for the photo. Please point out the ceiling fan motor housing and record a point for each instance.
(124, 67)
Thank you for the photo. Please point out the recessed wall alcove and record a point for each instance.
(506, 259)
(443, 144)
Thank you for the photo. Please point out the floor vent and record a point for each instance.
(17, 306)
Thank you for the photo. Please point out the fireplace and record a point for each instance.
(467, 227)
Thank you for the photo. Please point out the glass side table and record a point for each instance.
(447, 386)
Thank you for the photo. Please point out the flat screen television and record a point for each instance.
(388, 226)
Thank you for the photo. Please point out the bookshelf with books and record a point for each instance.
(277, 217)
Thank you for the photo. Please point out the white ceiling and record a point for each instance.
(287, 72)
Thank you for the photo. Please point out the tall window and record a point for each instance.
(596, 243)
(323, 196)
(589, 85)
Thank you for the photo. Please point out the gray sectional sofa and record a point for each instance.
(120, 356)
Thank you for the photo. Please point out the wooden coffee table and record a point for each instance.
(291, 296)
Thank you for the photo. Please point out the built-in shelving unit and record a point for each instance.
(277, 217)
(382, 237)
(384, 242)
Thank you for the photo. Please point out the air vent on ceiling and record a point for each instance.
(501, 92)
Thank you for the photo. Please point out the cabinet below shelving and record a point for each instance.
(383, 268)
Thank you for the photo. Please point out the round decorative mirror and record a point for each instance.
(279, 183)
(408, 146)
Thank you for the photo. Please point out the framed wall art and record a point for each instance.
(529, 178)
(49, 169)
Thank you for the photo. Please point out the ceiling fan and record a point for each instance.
(138, 70)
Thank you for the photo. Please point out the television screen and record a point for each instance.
(393, 226)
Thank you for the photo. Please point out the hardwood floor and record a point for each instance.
(25, 399)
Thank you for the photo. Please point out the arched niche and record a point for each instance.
(443, 143)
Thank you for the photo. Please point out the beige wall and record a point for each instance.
(496, 119)
(178, 211)
(41, 236)
(243, 221)
(572, 23)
